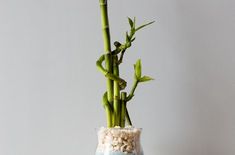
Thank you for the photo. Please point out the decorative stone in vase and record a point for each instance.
(119, 141)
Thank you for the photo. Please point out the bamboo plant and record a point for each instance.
(115, 98)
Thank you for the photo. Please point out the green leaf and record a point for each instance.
(142, 26)
(145, 79)
(132, 39)
(132, 32)
(138, 69)
(128, 39)
(130, 22)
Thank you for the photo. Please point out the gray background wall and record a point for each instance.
(50, 90)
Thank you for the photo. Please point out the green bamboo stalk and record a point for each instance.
(128, 119)
(116, 103)
(107, 45)
(107, 74)
(132, 90)
(107, 49)
(108, 110)
(123, 108)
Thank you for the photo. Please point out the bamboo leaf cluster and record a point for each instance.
(115, 99)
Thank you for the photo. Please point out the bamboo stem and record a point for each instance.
(107, 74)
(128, 118)
(116, 103)
(132, 90)
(123, 109)
(108, 110)
(107, 46)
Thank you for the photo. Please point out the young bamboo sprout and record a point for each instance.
(115, 98)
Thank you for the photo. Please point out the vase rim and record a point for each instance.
(119, 128)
